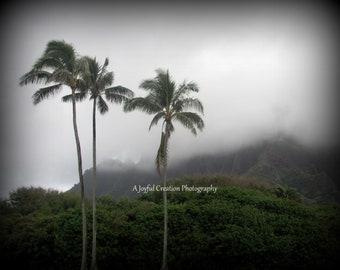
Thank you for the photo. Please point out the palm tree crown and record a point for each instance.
(96, 81)
(58, 66)
(168, 102)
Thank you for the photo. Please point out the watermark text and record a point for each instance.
(183, 188)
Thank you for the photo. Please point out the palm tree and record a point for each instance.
(59, 66)
(97, 79)
(169, 103)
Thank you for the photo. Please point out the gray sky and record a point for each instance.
(260, 69)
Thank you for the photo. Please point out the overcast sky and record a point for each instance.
(261, 69)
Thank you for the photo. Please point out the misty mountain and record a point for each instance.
(275, 162)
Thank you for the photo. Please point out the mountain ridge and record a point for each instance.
(281, 161)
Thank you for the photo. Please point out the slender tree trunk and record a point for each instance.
(81, 182)
(94, 187)
(165, 206)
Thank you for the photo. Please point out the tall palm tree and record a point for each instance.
(168, 102)
(59, 66)
(97, 79)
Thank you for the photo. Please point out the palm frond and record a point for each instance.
(82, 65)
(64, 52)
(162, 87)
(96, 75)
(118, 94)
(149, 85)
(105, 80)
(147, 105)
(184, 89)
(106, 63)
(160, 71)
(193, 103)
(120, 90)
(78, 96)
(88, 73)
(190, 120)
(156, 118)
(45, 92)
(92, 76)
(166, 88)
(34, 76)
(61, 76)
(103, 70)
(81, 85)
(101, 105)
(46, 62)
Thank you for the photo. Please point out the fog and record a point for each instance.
(262, 71)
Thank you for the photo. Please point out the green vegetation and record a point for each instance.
(239, 227)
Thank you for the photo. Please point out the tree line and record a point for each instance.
(60, 66)
(238, 227)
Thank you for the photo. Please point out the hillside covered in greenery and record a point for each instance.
(243, 225)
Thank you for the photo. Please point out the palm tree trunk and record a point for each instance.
(81, 181)
(94, 187)
(165, 206)
(165, 235)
